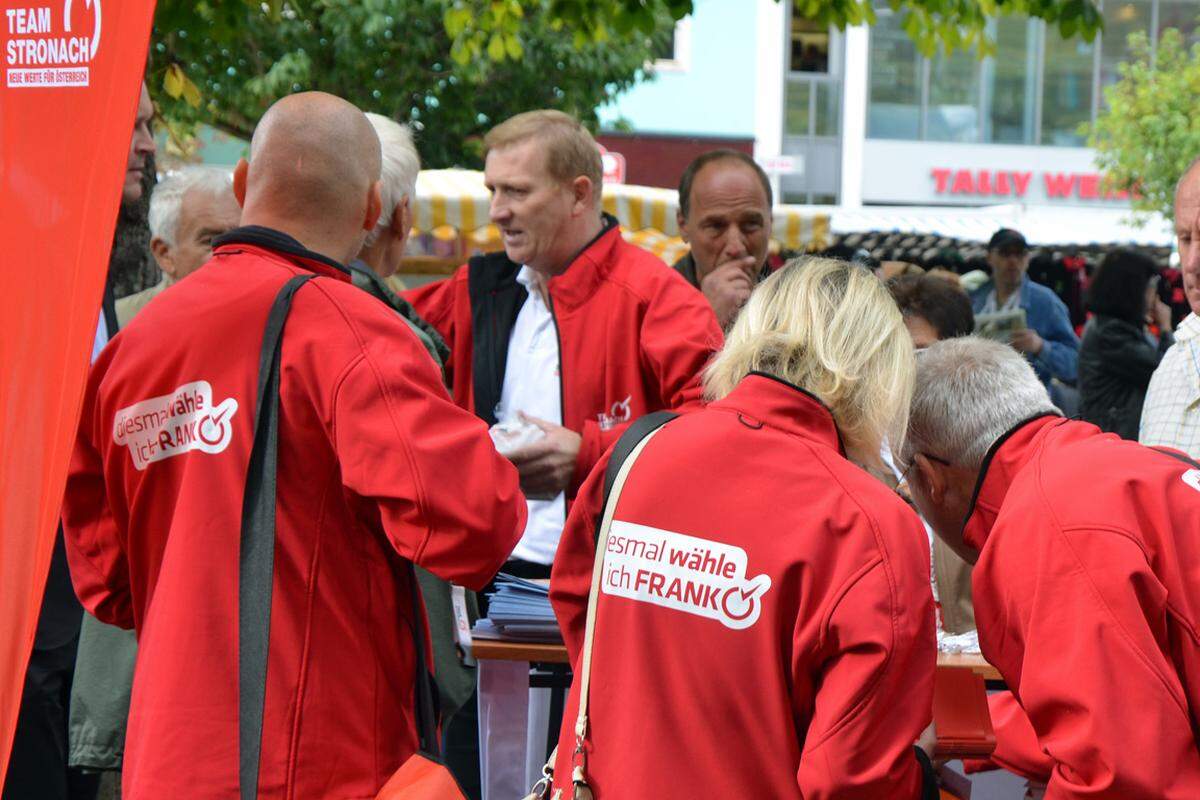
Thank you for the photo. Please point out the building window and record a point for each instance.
(809, 46)
(1120, 20)
(1037, 89)
(894, 108)
(675, 55)
(1181, 15)
(1068, 68)
(1010, 83)
(952, 114)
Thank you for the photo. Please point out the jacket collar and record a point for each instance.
(576, 285)
(282, 244)
(1003, 462)
(1189, 328)
(762, 399)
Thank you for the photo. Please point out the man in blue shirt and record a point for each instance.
(1048, 343)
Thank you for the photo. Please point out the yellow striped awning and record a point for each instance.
(451, 202)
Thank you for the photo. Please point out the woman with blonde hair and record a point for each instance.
(763, 625)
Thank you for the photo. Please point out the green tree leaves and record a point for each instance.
(1149, 133)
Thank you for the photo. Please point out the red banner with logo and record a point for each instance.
(70, 77)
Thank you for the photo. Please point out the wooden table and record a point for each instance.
(972, 661)
(499, 650)
(960, 702)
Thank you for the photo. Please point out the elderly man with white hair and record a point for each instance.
(383, 249)
(188, 209)
(1171, 413)
(1086, 550)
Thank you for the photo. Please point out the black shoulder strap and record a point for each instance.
(1178, 456)
(640, 429)
(257, 562)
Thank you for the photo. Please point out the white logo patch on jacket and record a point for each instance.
(684, 573)
(174, 424)
(1192, 478)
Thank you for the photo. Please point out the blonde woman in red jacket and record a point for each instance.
(764, 623)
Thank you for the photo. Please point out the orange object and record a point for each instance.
(68, 96)
(421, 778)
(960, 714)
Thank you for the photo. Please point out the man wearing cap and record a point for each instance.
(1048, 342)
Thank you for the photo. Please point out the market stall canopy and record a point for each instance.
(1041, 225)
(454, 202)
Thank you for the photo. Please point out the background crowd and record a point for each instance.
(461, 426)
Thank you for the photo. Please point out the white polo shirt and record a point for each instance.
(532, 384)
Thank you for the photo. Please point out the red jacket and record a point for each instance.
(633, 337)
(376, 464)
(1087, 602)
(790, 655)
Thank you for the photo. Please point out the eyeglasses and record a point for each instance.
(930, 456)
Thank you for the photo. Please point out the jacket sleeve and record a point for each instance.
(1060, 352)
(1105, 702)
(1017, 749)
(678, 336)
(875, 690)
(1126, 354)
(571, 577)
(434, 302)
(446, 499)
(99, 569)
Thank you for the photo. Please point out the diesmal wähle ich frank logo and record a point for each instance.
(684, 573)
(174, 424)
(45, 49)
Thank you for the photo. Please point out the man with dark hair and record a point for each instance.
(725, 215)
(933, 309)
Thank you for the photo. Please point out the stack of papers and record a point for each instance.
(519, 609)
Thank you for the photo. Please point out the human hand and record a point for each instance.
(728, 287)
(545, 467)
(1027, 341)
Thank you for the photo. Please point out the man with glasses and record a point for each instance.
(1084, 549)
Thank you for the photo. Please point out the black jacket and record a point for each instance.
(1116, 361)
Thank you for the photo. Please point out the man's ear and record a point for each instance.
(374, 207)
(401, 221)
(585, 195)
(239, 181)
(163, 256)
(933, 478)
(679, 222)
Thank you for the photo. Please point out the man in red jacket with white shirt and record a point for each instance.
(376, 467)
(1086, 550)
(570, 328)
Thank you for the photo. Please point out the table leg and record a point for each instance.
(503, 728)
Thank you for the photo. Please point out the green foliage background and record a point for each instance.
(1150, 132)
(454, 68)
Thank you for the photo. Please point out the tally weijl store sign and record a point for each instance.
(925, 173)
(51, 46)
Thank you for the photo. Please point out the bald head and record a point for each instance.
(313, 173)
(1187, 232)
